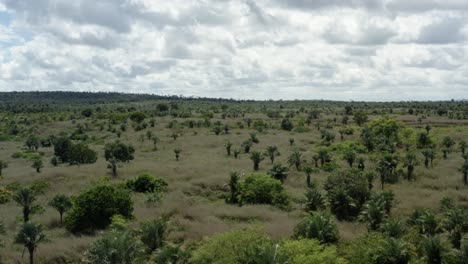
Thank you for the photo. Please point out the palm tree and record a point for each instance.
(234, 187)
(314, 200)
(38, 165)
(61, 203)
(308, 171)
(316, 158)
(278, 172)
(350, 156)
(246, 145)
(256, 157)
(433, 249)
(25, 197)
(429, 155)
(317, 226)
(462, 144)
(295, 159)
(410, 162)
(154, 233)
(177, 153)
(30, 235)
(456, 222)
(393, 251)
(324, 156)
(393, 228)
(254, 138)
(464, 170)
(116, 247)
(272, 152)
(361, 163)
(228, 146)
(236, 152)
(373, 213)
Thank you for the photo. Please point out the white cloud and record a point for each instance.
(334, 49)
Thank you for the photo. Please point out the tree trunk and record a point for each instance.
(308, 180)
(61, 218)
(26, 211)
(31, 255)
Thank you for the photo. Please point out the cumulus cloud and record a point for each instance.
(262, 49)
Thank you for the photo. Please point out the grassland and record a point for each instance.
(198, 181)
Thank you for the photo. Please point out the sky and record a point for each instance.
(373, 50)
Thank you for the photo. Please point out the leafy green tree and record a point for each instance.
(62, 146)
(25, 197)
(272, 152)
(118, 152)
(154, 233)
(94, 208)
(393, 251)
(286, 124)
(295, 159)
(37, 164)
(262, 189)
(360, 117)
(350, 156)
(32, 143)
(61, 203)
(367, 137)
(81, 154)
(278, 172)
(137, 117)
(256, 157)
(116, 247)
(410, 162)
(30, 235)
(317, 226)
(347, 191)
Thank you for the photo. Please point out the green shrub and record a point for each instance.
(94, 209)
(230, 248)
(146, 183)
(309, 251)
(5, 195)
(262, 189)
(116, 247)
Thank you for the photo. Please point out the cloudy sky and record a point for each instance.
(253, 49)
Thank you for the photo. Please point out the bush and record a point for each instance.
(262, 189)
(115, 247)
(230, 248)
(309, 251)
(317, 226)
(94, 209)
(146, 183)
(5, 195)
